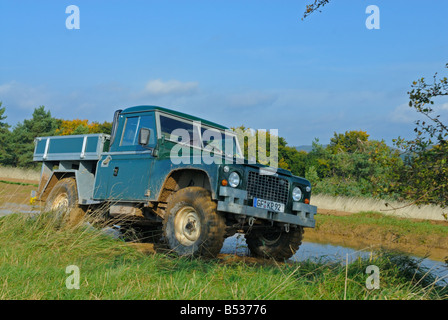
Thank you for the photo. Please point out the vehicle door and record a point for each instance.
(126, 168)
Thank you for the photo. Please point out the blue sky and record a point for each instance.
(247, 62)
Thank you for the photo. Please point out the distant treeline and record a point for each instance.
(17, 143)
(350, 165)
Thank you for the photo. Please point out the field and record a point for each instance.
(36, 251)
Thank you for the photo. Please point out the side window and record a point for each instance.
(130, 131)
(132, 128)
(169, 125)
(149, 123)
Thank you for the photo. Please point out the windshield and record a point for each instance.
(209, 139)
(221, 142)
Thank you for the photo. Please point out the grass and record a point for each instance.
(20, 183)
(35, 252)
(394, 208)
(20, 173)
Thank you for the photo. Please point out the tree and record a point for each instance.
(3, 125)
(5, 136)
(258, 143)
(352, 165)
(23, 135)
(69, 127)
(350, 141)
(77, 126)
(295, 160)
(424, 178)
(105, 127)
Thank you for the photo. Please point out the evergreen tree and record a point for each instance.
(5, 136)
(41, 124)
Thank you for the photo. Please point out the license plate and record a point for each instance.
(269, 205)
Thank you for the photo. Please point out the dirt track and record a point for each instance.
(15, 193)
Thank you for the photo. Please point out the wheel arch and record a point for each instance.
(83, 181)
(182, 178)
(55, 177)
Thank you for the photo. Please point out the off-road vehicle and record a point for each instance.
(148, 171)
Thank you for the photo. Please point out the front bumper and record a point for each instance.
(302, 214)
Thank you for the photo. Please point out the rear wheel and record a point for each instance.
(192, 225)
(63, 202)
(276, 244)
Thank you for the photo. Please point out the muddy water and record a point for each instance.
(327, 252)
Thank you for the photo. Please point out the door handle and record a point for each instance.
(105, 162)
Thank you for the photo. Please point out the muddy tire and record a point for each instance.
(63, 202)
(192, 225)
(278, 245)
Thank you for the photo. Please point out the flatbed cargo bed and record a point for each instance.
(75, 147)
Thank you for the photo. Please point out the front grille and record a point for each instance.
(267, 187)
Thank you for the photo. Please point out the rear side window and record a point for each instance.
(170, 126)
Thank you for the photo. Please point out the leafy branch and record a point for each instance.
(310, 8)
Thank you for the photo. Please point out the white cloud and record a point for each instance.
(23, 96)
(403, 114)
(158, 87)
(251, 99)
(444, 106)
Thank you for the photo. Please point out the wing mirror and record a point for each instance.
(143, 136)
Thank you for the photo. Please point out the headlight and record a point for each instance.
(297, 194)
(308, 189)
(234, 179)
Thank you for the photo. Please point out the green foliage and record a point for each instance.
(351, 141)
(24, 133)
(352, 165)
(258, 143)
(5, 137)
(424, 177)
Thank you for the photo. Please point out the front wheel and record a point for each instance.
(192, 225)
(276, 244)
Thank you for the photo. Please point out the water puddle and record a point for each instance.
(9, 208)
(332, 253)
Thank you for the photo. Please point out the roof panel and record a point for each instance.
(173, 112)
